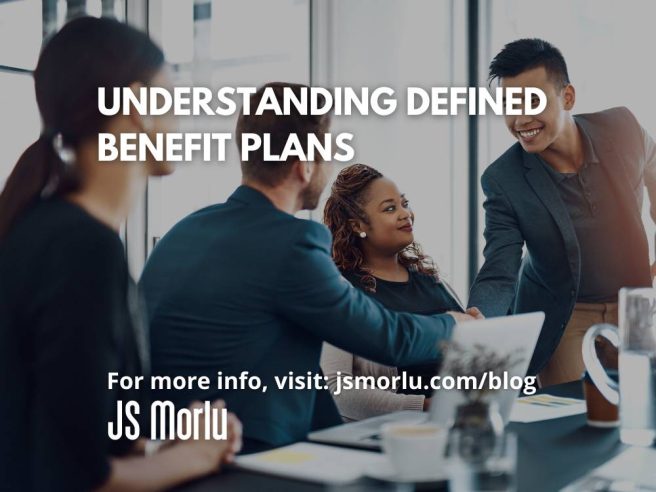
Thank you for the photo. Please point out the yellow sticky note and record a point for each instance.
(287, 457)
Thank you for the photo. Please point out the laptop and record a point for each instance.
(507, 335)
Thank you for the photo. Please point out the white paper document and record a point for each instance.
(536, 408)
(313, 463)
(631, 470)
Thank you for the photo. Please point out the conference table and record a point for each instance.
(551, 454)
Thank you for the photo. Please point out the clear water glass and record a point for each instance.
(497, 471)
(637, 365)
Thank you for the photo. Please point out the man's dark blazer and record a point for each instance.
(523, 208)
(243, 286)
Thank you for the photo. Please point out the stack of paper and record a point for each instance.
(632, 470)
(545, 407)
(313, 462)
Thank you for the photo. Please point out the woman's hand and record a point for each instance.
(234, 438)
(177, 461)
(212, 453)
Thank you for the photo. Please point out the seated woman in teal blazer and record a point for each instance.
(375, 249)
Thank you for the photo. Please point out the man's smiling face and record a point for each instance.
(536, 133)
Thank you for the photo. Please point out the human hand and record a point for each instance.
(461, 317)
(234, 438)
(211, 453)
(475, 312)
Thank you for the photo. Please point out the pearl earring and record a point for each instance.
(65, 153)
(363, 234)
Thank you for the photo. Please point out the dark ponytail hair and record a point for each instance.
(85, 54)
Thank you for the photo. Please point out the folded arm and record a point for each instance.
(358, 404)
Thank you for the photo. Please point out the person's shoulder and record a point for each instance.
(612, 123)
(307, 232)
(351, 276)
(423, 276)
(508, 162)
(215, 208)
(303, 249)
(354, 278)
(610, 116)
(79, 236)
(617, 124)
(426, 279)
(210, 212)
(59, 221)
(198, 224)
(61, 235)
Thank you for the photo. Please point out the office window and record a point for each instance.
(603, 43)
(20, 124)
(20, 33)
(23, 26)
(221, 43)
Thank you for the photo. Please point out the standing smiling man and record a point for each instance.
(570, 191)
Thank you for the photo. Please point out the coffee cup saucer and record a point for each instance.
(384, 471)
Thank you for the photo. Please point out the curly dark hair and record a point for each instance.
(346, 201)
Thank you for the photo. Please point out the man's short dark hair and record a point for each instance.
(525, 54)
(280, 127)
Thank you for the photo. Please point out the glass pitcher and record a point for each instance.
(636, 342)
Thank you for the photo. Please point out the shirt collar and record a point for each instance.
(589, 156)
(558, 177)
(589, 153)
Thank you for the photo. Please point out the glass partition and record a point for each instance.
(220, 43)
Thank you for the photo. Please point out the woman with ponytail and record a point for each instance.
(374, 248)
(68, 311)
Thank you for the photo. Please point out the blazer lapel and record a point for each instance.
(545, 189)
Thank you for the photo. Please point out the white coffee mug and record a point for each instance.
(416, 451)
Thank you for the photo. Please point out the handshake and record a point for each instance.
(469, 315)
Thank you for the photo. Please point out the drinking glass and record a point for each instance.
(494, 470)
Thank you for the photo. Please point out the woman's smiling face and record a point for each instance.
(390, 217)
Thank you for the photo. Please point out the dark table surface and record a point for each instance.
(551, 454)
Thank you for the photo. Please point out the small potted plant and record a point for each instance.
(477, 421)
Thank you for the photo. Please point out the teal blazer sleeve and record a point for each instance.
(326, 305)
